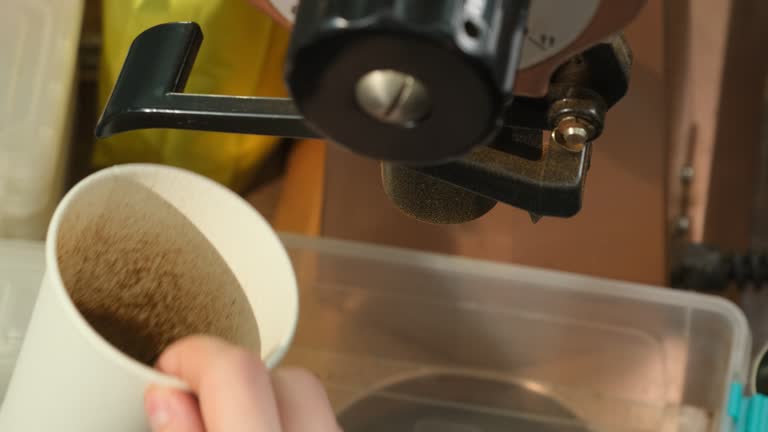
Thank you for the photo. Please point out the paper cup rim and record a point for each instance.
(98, 341)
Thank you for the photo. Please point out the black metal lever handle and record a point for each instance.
(148, 93)
(517, 170)
(547, 186)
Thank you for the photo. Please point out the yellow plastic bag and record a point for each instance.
(242, 54)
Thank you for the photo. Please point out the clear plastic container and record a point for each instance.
(38, 51)
(406, 340)
(434, 343)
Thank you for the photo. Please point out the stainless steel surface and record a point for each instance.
(445, 401)
(393, 97)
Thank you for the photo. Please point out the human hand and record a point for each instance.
(234, 392)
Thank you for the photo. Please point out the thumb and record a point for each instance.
(171, 410)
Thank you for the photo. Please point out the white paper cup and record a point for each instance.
(147, 227)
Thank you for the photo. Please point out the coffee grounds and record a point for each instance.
(144, 276)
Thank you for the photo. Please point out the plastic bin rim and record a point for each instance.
(571, 282)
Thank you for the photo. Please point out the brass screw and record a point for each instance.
(572, 133)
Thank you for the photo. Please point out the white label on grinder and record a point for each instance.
(552, 25)
(287, 8)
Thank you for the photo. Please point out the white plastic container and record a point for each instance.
(427, 343)
(21, 270)
(38, 51)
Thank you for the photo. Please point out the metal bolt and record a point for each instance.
(686, 174)
(683, 224)
(393, 97)
(572, 133)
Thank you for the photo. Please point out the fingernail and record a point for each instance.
(158, 409)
